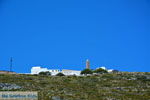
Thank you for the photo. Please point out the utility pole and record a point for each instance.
(11, 64)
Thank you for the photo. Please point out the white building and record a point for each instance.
(38, 69)
(109, 70)
(71, 72)
(54, 71)
(103, 67)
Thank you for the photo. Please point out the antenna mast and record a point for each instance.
(11, 63)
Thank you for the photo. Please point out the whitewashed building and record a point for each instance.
(38, 69)
(54, 71)
(109, 70)
(71, 72)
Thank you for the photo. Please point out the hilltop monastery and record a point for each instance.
(38, 69)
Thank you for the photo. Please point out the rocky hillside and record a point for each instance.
(119, 86)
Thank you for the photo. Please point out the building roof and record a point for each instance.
(68, 70)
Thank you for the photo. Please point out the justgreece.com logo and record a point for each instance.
(17, 95)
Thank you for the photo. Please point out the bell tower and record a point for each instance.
(87, 64)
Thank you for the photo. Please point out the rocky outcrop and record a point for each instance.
(8, 86)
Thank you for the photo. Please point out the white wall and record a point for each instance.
(71, 72)
(38, 69)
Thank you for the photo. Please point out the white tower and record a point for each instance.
(87, 64)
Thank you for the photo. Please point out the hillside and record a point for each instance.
(119, 86)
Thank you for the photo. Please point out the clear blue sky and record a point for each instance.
(62, 34)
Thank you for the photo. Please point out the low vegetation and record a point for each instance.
(100, 71)
(60, 74)
(86, 71)
(45, 73)
(108, 86)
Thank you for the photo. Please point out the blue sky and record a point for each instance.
(62, 34)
